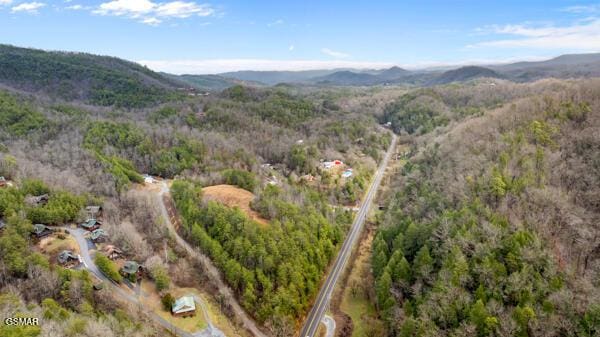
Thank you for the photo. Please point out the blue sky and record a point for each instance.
(186, 36)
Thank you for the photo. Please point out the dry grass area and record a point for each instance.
(151, 300)
(355, 302)
(233, 196)
(52, 245)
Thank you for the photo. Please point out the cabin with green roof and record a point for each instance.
(184, 307)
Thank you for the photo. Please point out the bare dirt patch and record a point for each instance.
(57, 242)
(232, 196)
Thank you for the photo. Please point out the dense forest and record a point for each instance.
(488, 226)
(80, 150)
(105, 81)
(492, 223)
(275, 270)
(33, 287)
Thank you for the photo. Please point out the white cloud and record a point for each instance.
(581, 36)
(5, 2)
(28, 7)
(334, 53)
(75, 7)
(275, 23)
(182, 9)
(151, 21)
(582, 9)
(133, 8)
(215, 66)
(149, 12)
(291, 47)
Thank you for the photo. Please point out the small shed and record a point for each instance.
(184, 307)
(131, 268)
(93, 211)
(99, 235)
(3, 182)
(40, 230)
(91, 225)
(112, 252)
(67, 257)
(148, 179)
(37, 200)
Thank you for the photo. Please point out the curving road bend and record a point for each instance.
(88, 263)
(213, 272)
(315, 316)
(329, 323)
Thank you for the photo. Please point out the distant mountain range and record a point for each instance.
(565, 66)
(111, 81)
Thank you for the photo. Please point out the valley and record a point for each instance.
(389, 202)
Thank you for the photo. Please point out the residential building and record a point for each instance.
(131, 269)
(184, 307)
(99, 235)
(91, 225)
(40, 230)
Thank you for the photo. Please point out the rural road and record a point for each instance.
(322, 302)
(88, 263)
(213, 272)
(329, 323)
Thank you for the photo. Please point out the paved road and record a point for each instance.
(213, 272)
(88, 262)
(329, 323)
(322, 302)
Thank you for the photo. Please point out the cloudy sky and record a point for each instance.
(211, 37)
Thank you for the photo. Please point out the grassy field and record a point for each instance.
(354, 300)
(151, 300)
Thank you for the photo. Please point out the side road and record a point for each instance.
(213, 272)
(88, 263)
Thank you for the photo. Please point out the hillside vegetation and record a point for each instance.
(83, 151)
(99, 80)
(492, 229)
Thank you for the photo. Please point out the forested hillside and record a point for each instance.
(76, 150)
(99, 80)
(492, 228)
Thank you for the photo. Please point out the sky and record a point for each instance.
(198, 37)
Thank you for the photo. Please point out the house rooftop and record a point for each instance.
(131, 267)
(183, 304)
(90, 223)
(40, 228)
(66, 255)
(98, 233)
(93, 209)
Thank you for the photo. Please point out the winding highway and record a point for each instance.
(315, 316)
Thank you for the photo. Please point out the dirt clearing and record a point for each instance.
(233, 196)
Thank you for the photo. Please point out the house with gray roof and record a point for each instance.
(91, 225)
(99, 235)
(131, 270)
(67, 257)
(40, 231)
(184, 307)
